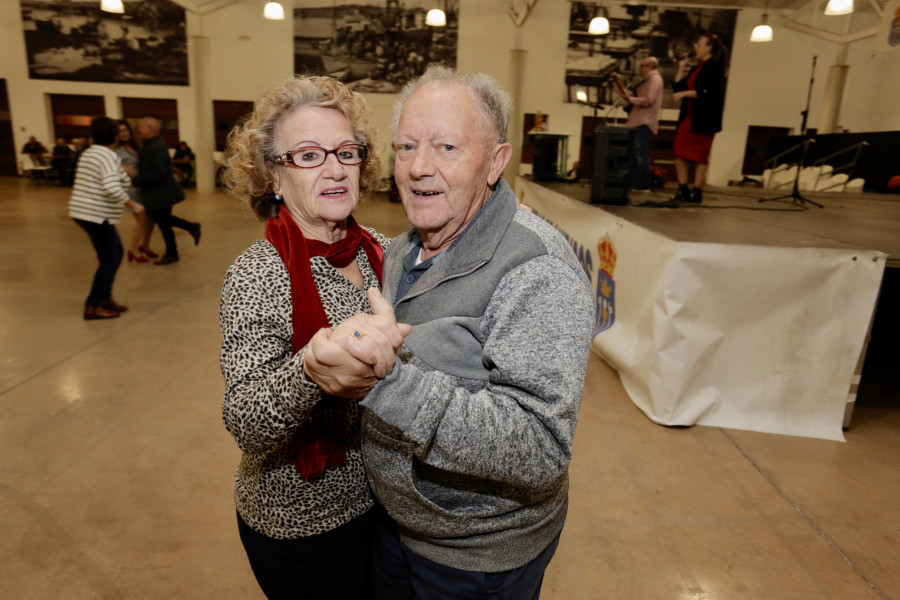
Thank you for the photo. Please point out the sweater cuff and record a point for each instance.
(304, 390)
(396, 399)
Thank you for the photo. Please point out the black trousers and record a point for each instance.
(330, 566)
(108, 247)
(165, 220)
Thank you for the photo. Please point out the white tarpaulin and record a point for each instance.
(762, 338)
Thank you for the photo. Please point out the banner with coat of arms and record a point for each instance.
(721, 334)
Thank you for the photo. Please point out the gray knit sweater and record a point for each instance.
(467, 442)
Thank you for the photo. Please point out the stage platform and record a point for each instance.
(734, 313)
(734, 215)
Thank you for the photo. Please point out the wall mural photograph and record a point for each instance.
(635, 32)
(74, 40)
(373, 46)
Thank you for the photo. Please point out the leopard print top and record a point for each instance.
(267, 396)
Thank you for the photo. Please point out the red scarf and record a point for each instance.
(320, 441)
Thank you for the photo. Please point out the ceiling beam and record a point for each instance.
(815, 32)
(186, 5)
(214, 6)
(520, 18)
(202, 9)
(823, 34)
(832, 37)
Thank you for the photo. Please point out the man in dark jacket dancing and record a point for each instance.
(159, 189)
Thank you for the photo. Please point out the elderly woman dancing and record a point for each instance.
(98, 200)
(302, 160)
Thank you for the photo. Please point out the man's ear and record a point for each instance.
(499, 159)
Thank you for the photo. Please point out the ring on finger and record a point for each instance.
(358, 334)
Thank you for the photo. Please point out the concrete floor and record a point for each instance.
(116, 471)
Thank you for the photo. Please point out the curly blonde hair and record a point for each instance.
(251, 144)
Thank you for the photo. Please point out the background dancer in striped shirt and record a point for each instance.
(97, 203)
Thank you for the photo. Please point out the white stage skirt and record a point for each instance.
(761, 338)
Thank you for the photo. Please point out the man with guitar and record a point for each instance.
(643, 116)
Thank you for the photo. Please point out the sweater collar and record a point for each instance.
(474, 246)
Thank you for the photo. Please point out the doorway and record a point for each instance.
(7, 144)
(72, 115)
(227, 114)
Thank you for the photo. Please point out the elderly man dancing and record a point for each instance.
(468, 439)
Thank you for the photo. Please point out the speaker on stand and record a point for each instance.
(550, 152)
(613, 162)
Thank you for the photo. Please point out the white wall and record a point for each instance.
(873, 88)
(769, 82)
(767, 85)
(29, 98)
(247, 54)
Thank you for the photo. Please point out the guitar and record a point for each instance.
(621, 89)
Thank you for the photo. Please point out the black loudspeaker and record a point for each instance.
(613, 160)
(546, 152)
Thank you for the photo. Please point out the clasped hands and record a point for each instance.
(350, 359)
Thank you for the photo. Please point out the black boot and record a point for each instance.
(695, 196)
(681, 195)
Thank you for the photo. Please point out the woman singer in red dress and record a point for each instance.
(702, 95)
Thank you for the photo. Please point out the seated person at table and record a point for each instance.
(183, 162)
(35, 151)
(61, 157)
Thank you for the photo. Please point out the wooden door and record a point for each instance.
(227, 114)
(7, 143)
(72, 115)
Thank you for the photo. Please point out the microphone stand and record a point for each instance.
(612, 108)
(593, 106)
(805, 112)
(795, 195)
(617, 103)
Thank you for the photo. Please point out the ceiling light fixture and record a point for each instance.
(762, 32)
(839, 7)
(598, 26)
(274, 11)
(112, 6)
(436, 18)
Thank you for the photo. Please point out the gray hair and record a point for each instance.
(493, 99)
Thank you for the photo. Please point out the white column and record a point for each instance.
(516, 70)
(834, 92)
(204, 135)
